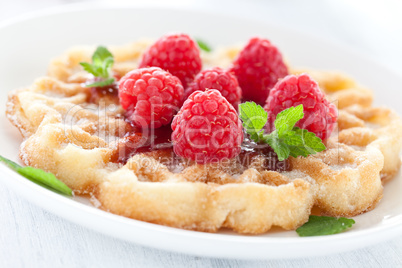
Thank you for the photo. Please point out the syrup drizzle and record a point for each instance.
(159, 140)
(109, 93)
(138, 140)
(250, 149)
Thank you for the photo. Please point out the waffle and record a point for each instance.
(76, 134)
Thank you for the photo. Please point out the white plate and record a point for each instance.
(27, 45)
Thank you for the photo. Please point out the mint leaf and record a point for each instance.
(323, 225)
(90, 68)
(100, 55)
(203, 46)
(286, 119)
(106, 66)
(102, 62)
(254, 118)
(302, 142)
(290, 140)
(281, 149)
(101, 83)
(10, 163)
(39, 176)
(286, 140)
(46, 178)
(294, 142)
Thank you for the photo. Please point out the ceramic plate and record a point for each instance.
(28, 44)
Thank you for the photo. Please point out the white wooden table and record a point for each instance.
(31, 237)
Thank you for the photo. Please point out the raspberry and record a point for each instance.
(207, 128)
(257, 68)
(177, 54)
(219, 79)
(151, 96)
(319, 114)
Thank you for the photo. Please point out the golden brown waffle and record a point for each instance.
(75, 139)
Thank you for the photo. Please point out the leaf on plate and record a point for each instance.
(39, 176)
(323, 225)
(203, 46)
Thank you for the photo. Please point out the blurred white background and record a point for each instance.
(372, 27)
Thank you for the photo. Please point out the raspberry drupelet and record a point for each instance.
(219, 79)
(320, 115)
(207, 128)
(151, 96)
(175, 53)
(257, 68)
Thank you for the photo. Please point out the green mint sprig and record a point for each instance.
(286, 139)
(203, 46)
(39, 176)
(323, 225)
(102, 62)
(254, 118)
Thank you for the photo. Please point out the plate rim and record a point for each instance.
(386, 232)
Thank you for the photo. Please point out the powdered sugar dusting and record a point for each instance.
(342, 167)
(295, 174)
(95, 201)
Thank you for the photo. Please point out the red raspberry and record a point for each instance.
(257, 68)
(207, 128)
(176, 53)
(219, 79)
(151, 96)
(319, 114)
